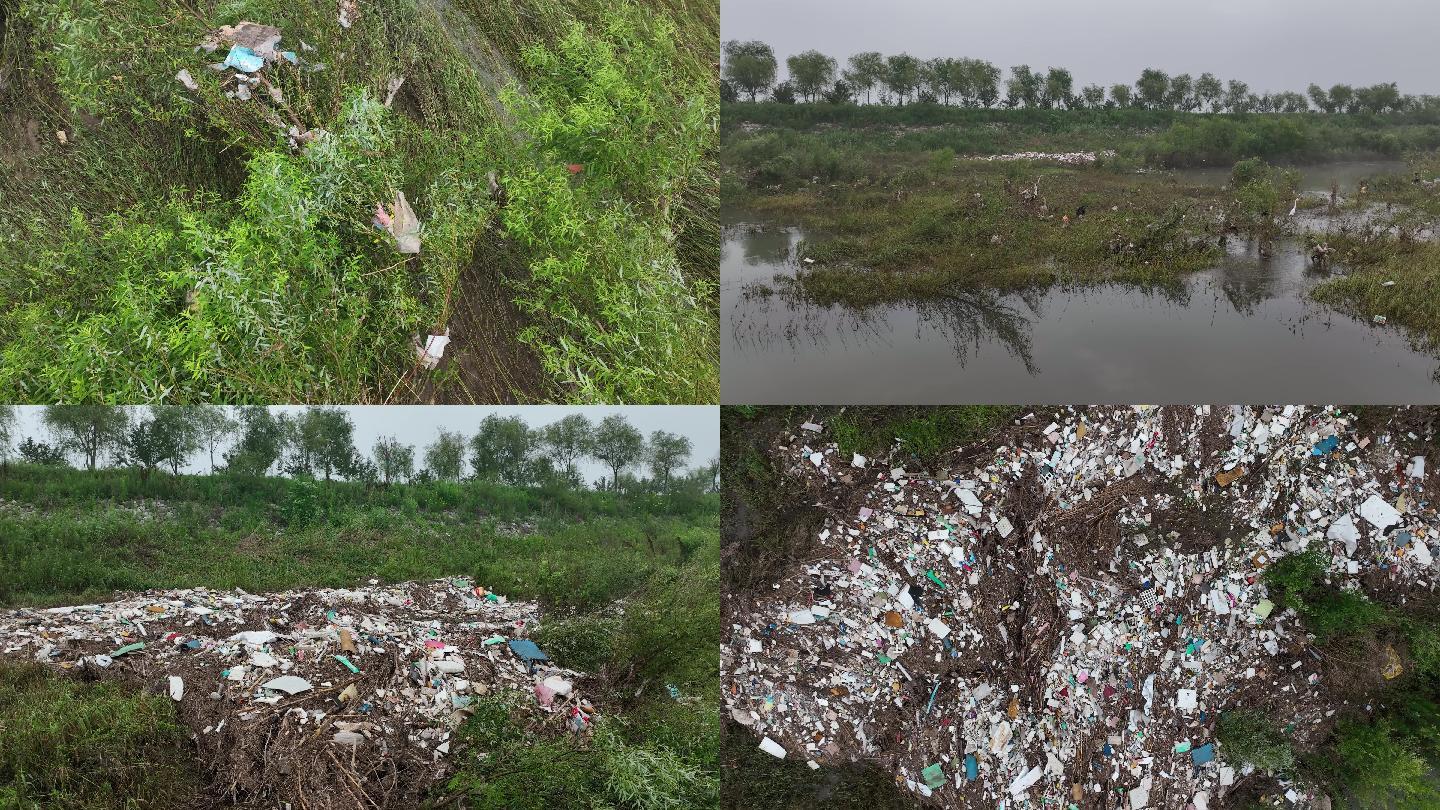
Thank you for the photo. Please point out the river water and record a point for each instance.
(1243, 331)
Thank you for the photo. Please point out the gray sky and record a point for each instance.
(418, 424)
(1272, 44)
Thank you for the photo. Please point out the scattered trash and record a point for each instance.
(267, 689)
(433, 351)
(772, 748)
(187, 80)
(349, 13)
(1065, 613)
(399, 220)
(394, 88)
(289, 684)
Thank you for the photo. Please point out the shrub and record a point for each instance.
(1248, 737)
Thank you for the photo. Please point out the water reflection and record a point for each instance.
(1242, 331)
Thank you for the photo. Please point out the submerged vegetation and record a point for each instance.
(195, 245)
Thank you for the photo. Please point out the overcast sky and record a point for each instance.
(417, 425)
(1272, 44)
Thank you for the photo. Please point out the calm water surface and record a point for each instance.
(1243, 331)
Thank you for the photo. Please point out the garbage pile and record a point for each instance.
(319, 698)
(1063, 158)
(1059, 620)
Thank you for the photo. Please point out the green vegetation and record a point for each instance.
(1296, 582)
(88, 746)
(1377, 766)
(192, 246)
(1249, 737)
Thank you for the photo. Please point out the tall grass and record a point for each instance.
(577, 551)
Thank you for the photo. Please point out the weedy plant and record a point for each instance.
(174, 244)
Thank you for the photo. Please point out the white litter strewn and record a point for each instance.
(978, 615)
(433, 351)
(772, 748)
(1379, 513)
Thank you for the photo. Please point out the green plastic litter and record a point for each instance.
(934, 776)
(493, 640)
(1181, 748)
(934, 579)
(884, 659)
(128, 648)
(346, 661)
(490, 597)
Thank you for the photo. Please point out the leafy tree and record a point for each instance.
(212, 427)
(1237, 95)
(1182, 93)
(728, 92)
(33, 452)
(1153, 88)
(175, 433)
(146, 447)
(934, 78)
(865, 71)
(618, 445)
(1209, 91)
(567, 441)
(1290, 102)
(499, 450)
(810, 72)
(749, 66)
(986, 80)
(1320, 98)
(87, 429)
(445, 457)
(901, 76)
(839, 93)
(784, 93)
(325, 439)
(1377, 98)
(1059, 88)
(1024, 86)
(393, 460)
(1342, 98)
(668, 453)
(1094, 96)
(1121, 95)
(262, 442)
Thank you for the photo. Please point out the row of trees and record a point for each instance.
(320, 442)
(750, 70)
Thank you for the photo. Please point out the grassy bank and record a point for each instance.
(1393, 273)
(168, 242)
(629, 587)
